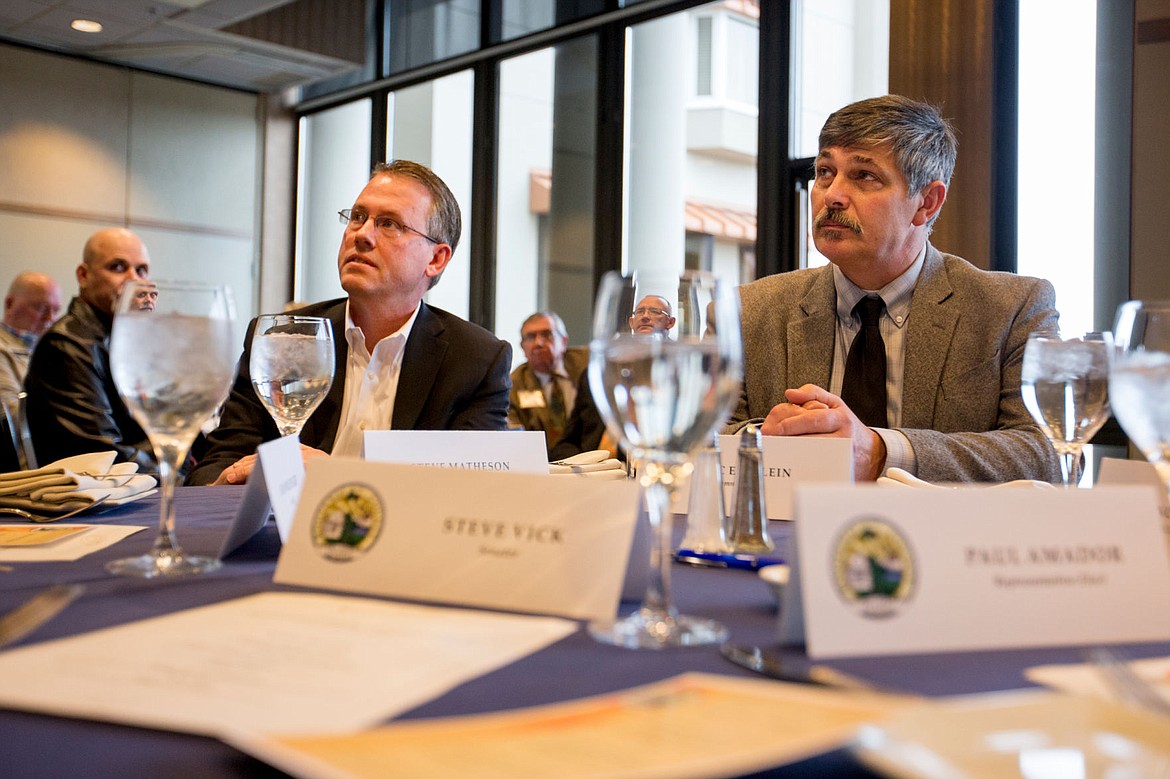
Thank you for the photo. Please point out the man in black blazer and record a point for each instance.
(400, 364)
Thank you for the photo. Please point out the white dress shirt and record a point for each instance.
(371, 384)
(896, 295)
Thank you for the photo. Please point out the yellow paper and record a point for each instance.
(25, 535)
(690, 725)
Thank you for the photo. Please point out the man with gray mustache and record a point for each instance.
(912, 354)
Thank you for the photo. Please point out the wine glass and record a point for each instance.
(291, 367)
(173, 364)
(1139, 379)
(662, 390)
(1065, 385)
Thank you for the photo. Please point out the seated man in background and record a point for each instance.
(400, 364)
(912, 354)
(73, 404)
(585, 430)
(545, 387)
(31, 305)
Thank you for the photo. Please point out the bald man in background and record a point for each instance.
(73, 404)
(31, 305)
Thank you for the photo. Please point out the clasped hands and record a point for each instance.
(814, 411)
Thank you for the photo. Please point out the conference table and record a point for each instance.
(38, 745)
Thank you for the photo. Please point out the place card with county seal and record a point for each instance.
(511, 541)
(880, 571)
(507, 451)
(789, 461)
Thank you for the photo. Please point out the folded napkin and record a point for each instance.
(896, 477)
(74, 483)
(596, 465)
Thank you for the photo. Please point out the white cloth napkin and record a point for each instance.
(596, 465)
(896, 477)
(74, 483)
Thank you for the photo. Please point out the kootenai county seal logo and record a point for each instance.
(347, 523)
(873, 568)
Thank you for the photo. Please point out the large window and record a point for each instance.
(431, 123)
(691, 128)
(334, 166)
(1056, 151)
(545, 187)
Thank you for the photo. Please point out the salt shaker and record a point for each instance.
(706, 517)
(749, 522)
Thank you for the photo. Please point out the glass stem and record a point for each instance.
(165, 543)
(1070, 466)
(658, 482)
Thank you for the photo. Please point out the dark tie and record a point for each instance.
(556, 411)
(864, 386)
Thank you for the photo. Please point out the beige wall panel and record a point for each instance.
(1150, 247)
(194, 153)
(49, 244)
(941, 52)
(207, 258)
(63, 133)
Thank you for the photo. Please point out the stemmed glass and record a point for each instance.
(1065, 385)
(662, 395)
(173, 367)
(1139, 379)
(291, 367)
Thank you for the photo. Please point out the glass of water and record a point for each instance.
(173, 363)
(665, 367)
(1139, 379)
(291, 367)
(1065, 385)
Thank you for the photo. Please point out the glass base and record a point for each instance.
(149, 566)
(644, 631)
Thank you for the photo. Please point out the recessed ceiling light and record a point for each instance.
(86, 25)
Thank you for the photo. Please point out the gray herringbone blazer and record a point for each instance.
(961, 404)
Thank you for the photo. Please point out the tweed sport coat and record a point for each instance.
(961, 404)
(524, 379)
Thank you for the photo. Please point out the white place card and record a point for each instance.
(789, 461)
(514, 451)
(273, 488)
(925, 570)
(508, 541)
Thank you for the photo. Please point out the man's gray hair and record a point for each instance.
(557, 323)
(445, 223)
(922, 142)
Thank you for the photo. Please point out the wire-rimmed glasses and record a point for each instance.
(354, 218)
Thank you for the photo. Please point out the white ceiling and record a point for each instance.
(188, 38)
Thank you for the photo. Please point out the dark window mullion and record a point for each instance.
(776, 238)
(484, 174)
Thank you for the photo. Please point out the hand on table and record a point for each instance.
(239, 471)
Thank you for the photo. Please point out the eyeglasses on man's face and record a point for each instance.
(650, 311)
(354, 218)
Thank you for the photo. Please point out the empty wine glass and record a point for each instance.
(1139, 379)
(663, 377)
(1065, 385)
(173, 367)
(291, 367)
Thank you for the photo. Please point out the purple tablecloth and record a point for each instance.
(39, 746)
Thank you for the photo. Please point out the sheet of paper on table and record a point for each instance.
(688, 726)
(1086, 679)
(273, 662)
(71, 547)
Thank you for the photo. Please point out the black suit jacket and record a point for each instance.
(454, 377)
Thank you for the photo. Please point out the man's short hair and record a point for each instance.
(445, 222)
(557, 323)
(923, 143)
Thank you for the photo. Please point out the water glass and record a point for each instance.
(291, 367)
(1065, 386)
